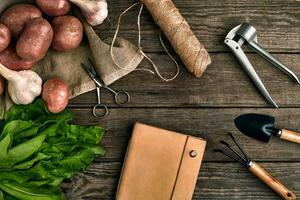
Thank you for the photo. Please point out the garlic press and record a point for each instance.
(246, 34)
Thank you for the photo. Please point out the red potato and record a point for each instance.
(54, 8)
(16, 17)
(56, 95)
(68, 32)
(10, 59)
(2, 84)
(35, 40)
(4, 37)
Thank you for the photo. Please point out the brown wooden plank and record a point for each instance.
(216, 181)
(277, 22)
(224, 84)
(210, 124)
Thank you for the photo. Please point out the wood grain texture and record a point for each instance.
(203, 107)
(224, 84)
(277, 22)
(209, 124)
(216, 181)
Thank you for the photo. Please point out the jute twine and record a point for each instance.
(156, 70)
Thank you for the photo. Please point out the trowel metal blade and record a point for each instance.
(257, 126)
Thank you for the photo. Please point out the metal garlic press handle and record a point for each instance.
(248, 35)
(244, 61)
(266, 55)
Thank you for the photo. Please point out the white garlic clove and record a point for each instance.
(23, 86)
(26, 89)
(94, 11)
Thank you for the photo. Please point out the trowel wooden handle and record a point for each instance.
(290, 136)
(272, 182)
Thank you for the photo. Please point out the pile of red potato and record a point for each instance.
(28, 31)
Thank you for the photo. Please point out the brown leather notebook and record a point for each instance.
(160, 165)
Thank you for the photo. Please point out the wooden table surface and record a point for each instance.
(204, 107)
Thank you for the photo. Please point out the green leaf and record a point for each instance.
(85, 135)
(4, 144)
(97, 150)
(1, 195)
(28, 164)
(35, 112)
(21, 152)
(29, 193)
(15, 176)
(26, 149)
(15, 127)
(15, 112)
(9, 197)
(38, 150)
(51, 150)
(26, 112)
(32, 131)
(64, 144)
(49, 130)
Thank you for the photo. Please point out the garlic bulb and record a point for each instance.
(23, 86)
(94, 11)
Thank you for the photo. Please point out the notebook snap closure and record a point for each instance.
(193, 153)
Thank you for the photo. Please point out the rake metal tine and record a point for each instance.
(240, 147)
(228, 155)
(234, 151)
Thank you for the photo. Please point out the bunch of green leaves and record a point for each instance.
(38, 150)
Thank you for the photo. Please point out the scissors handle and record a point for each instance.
(122, 97)
(100, 111)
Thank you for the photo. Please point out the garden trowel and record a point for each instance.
(261, 127)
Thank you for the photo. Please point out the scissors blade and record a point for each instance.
(92, 73)
(88, 70)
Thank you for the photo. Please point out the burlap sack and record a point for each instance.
(67, 65)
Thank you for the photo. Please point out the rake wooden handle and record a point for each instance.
(272, 182)
(290, 136)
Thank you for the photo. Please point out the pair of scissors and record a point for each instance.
(120, 97)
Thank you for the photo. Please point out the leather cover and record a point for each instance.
(159, 165)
